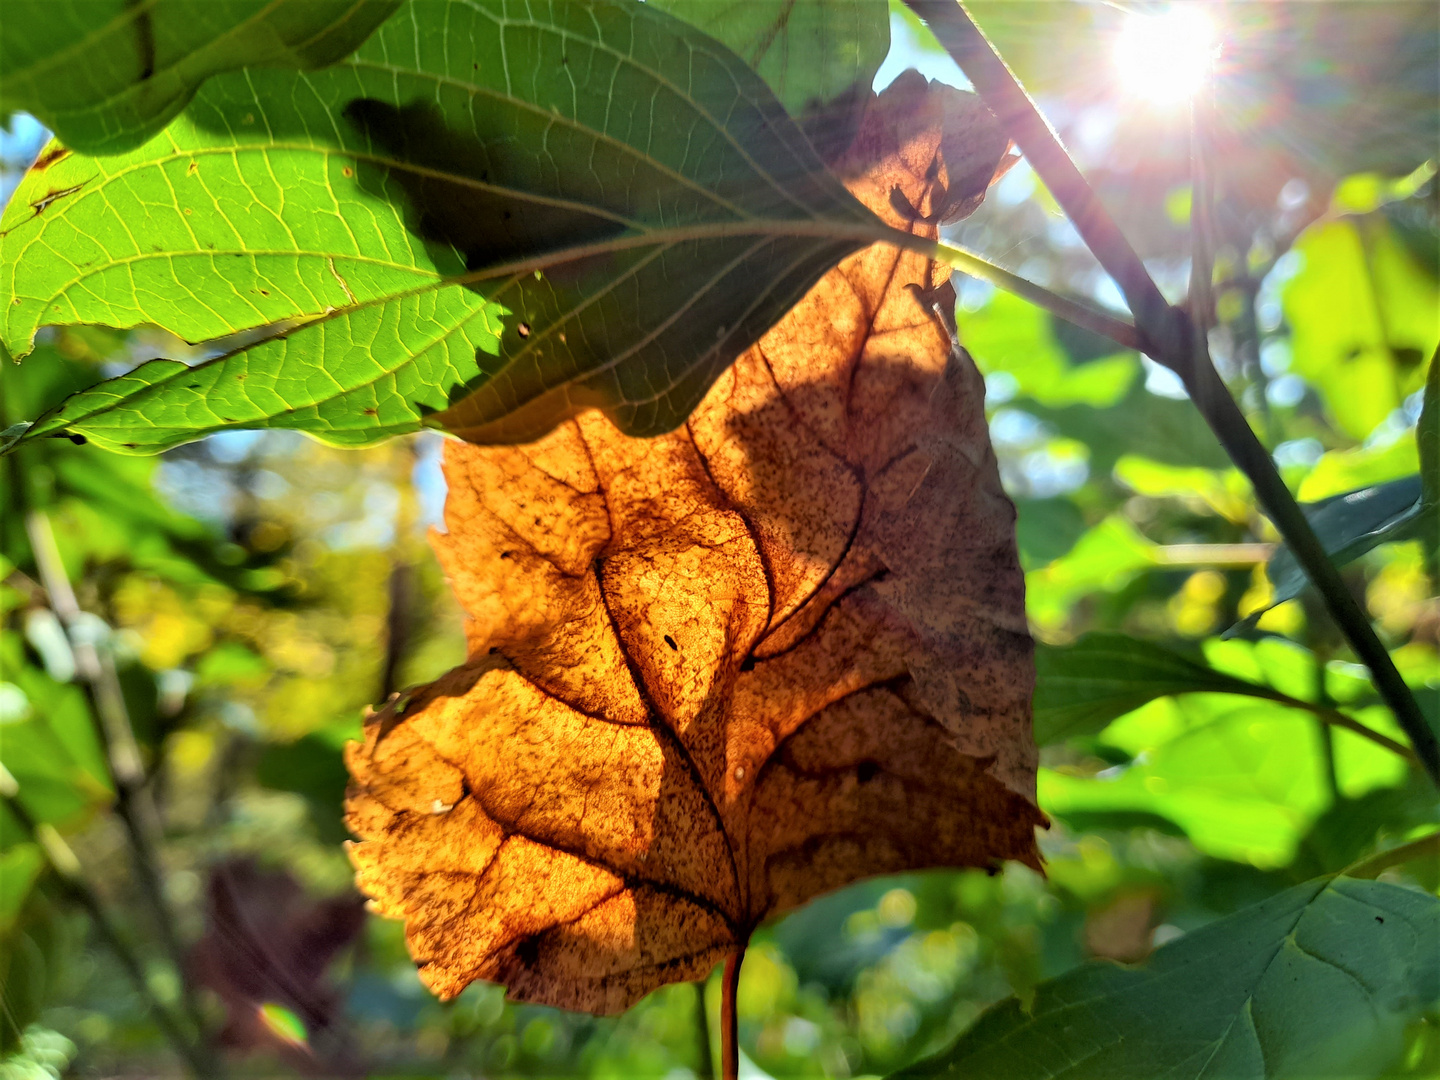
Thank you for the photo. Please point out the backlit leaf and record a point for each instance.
(1080, 688)
(1319, 981)
(105, 75)
(492, 216)
(717, 673)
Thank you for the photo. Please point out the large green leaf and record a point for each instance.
(1364, 316)
(105, 75)
(492, 216)
(1080, 688)
(1319, 981)
(819, 56)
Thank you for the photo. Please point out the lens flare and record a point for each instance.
(1163, 58)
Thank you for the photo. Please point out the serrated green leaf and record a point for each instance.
(1080, 688)
(105, 75)
(818, 56)
(484, 226)
(1319, 981)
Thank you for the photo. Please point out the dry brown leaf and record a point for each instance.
(719, 672)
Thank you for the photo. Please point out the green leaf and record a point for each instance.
(53, 753)
(818, 56)
(1318, 981)
(1013, 336)
(474, 221)
(1427, 435)
(105, 75)
(1364, 315)
(1107, 557)
(1080, 688)
(1348, 526)
(20, 867)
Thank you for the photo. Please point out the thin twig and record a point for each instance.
(729, 1019)
(72, 881)
(1375, 865)
(1172, 343)
(133, 803)
(1074, 311)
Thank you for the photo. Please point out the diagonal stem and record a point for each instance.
(1172, 342)
(133, 802)
(72, 882)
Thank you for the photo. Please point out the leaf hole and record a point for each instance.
(506, 554)
(867, 771)
(528, 952)
(671, 642)
(748, 664)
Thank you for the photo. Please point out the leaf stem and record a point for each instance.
(729, 1019)
(1082, 315)
(72, 882)
(1375, 865)
(133, 802)
(1172, 342)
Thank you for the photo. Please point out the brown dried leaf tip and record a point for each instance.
(717, 673)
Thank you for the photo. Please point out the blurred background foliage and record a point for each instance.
(249, 596)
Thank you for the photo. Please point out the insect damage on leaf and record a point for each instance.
(716, 673)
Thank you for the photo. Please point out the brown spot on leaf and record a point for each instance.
(50, 157)
(829, 538)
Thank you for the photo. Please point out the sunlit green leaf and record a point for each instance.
(1017, 338)
(1080, 688)
(20, 866)
(1105, 558)
(614, 255)
(54, 755)
(1243, 778)
(1319, 981)
(105, 75)
(1363, 318)
(1355, 467)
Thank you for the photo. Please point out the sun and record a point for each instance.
(1163, 57)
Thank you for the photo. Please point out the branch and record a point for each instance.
(1375, 865)
(133, 803)
(67, 869)
(1082, 315)
(1172, 342)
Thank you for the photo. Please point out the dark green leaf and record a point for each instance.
(1319, 981)
(1427, 436)
(105, 75)
(485, 227)
(1350, 525)
(818, 56)
(1080, 688)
